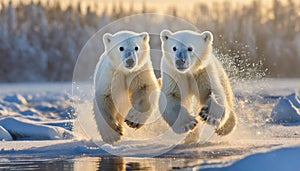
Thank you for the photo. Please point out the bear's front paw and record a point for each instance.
(190, 126)
(206, 116)
(136, 119)
(183, 125)
(133, 124)
(113, 134)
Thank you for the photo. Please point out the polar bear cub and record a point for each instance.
(124, 83)
(192, 75)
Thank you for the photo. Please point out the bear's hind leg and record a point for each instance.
(228, 126)
(215, 114)
(108, 125)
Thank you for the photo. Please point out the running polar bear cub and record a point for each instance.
(191, 72)
(123, 81)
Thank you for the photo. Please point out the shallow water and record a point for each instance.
(96, 163)
(99, 163)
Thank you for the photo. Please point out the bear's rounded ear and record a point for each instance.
(144, 36)
(107, 38)
(207, 36)
(165, 35)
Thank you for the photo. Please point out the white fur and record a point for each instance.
(121, 93)
(203, 79)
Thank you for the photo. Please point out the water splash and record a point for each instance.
(240, 63)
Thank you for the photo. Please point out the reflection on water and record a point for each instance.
(97, 163)
(36, 164)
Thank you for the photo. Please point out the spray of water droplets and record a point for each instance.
(241, 66)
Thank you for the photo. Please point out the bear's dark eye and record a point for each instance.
(174, 48)
(121, 48)
(136, 48)
(190, 49)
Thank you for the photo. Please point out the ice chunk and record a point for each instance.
(287, 110)
(295, 99)
(30, 130)
(4, 135)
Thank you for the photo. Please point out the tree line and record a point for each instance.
(41, 41)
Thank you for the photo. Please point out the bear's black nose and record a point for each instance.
(129, 62)
(180, 62)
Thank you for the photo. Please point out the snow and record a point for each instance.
(287, 110)
(280, 159)
(15, 99)
(38, 121)
(4, 135)
(30, 130)
(29, 111)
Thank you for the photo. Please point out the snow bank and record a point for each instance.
(282, 159)
(30, 130)
(287, 110)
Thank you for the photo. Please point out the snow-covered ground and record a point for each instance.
(36, 125)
